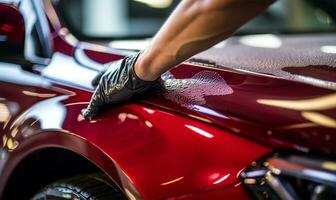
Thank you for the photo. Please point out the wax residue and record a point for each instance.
(193, 91)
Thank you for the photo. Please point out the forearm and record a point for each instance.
(194, 26)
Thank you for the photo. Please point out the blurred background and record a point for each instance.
(129, 19)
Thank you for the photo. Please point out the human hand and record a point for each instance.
(118, 84)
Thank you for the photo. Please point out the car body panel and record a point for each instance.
(295, 115)
(308, 58)
(193, 156)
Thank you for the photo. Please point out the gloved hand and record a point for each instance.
(118, 84)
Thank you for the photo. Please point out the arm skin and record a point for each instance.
(194, 26)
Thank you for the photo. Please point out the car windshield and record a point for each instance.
(125, 19)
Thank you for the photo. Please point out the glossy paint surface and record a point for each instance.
(162, 154)
(149, 152)
(277, 112)
(277, 89)
(274, 54)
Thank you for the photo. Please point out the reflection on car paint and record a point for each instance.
(68, 37)
(11, 144)
(329, 49)
(200, 131)
(83, 59)
(7, 110)
(320, 103)
(13, 73)
(129, 188)
(4, 113)
(308, 109)
(192, 92)
(222, 179)
(320, 119)
(35, 94)
(148, 124)
(65, 68)
(261, 41)
(172, 181)
(50, 113)
(46, 114)
(298, 126)
(205, 110)
(123, 116)
(149, 111)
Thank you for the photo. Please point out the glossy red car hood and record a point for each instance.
(278, 90)
(303, 58)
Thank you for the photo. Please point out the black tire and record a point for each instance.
(86, 187)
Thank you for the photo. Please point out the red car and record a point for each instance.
(252, 118)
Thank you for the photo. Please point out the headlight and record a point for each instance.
(292, 177)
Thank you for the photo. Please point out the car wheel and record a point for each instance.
(85, 187)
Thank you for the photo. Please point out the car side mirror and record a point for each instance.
(12, 31)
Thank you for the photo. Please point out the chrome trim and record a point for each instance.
(270, 179)
(255, 174)
(278, 187)
(304, 168)
(43, 27)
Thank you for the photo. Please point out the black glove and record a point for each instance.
(119, 84)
